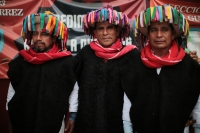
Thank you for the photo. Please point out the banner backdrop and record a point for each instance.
(191, 10)
(194, 41)
(12, 13)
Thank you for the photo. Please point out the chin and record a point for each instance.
(106, 45)
(39, 50)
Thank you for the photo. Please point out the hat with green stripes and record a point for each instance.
(164, 13)
(49, 24)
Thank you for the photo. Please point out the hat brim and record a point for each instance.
(93, 24)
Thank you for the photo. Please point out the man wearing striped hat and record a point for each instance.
(100, 96)
(42, 77)
(162, 82)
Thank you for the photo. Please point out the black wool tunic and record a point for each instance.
(100, 93)
(41, 94)
(161, 103)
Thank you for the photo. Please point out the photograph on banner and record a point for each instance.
(194, 41)
(71, 12)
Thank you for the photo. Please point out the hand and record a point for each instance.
(69, 127)
(193, 54)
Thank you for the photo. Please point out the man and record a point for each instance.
(73, 101)
(162, 82)
(100, 94)
(42, 77)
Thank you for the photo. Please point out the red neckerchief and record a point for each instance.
(112, 52)
(38, 58)
(175, 55)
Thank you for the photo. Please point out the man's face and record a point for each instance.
(160, 36)
(106, 33)
(42, 41)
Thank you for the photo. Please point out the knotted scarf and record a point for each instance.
(112, 52)
(175, 55)
(38, 58)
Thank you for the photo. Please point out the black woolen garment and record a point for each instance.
(100, 93)
(41, 94)
(161, 103)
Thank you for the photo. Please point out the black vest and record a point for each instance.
(41, 94)
(161, 103)
(100, 93)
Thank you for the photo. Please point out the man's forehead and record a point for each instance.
(104, 24)
(159, 24)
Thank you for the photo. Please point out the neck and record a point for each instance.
(160, 52)
(107, 46)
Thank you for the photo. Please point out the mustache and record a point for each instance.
(39, 42)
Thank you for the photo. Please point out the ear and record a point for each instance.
(118, 30)
(54, 39)
(94, 32)
(173, 34)
(148, 36)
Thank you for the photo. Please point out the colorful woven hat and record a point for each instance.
(161, 13)
(49, 24)
(106, 13)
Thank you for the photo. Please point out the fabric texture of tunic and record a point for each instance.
(100, 100)
(41, 94)
(161, 103)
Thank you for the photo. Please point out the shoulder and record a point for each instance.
(189, 61)
(68, 58)
(67, 62)
(16, 60)
(188, 65)
(85, 52)
(85, 48)
(131, 55)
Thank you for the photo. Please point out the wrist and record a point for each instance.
(72, 116)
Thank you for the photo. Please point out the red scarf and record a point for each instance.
(174, 56)
(112, 52)
(38, 58)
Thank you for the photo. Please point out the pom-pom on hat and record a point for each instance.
(49, 24)
(161, 13)
(106, 13)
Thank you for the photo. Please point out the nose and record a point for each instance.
(39, 37)
(105, 32)
(159, 34)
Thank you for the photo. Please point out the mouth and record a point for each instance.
(159, 42)
(106, 38)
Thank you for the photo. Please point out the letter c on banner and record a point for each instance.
(187, 10)
(181, 9)
(198, 10)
